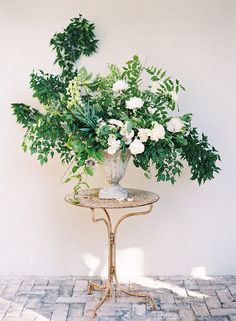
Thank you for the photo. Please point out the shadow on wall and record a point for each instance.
(130, 266)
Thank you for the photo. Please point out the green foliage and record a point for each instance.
(47, 88)
(200, 156)
(132, 73)
(77, 39)
(53, 130)
(156, 74)
(165, 159)
(44, 134)
(25, 115)
(85, 115)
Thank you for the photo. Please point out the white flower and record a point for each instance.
(128, 141)
(111, 139)
(174, 96)
(158, 132)
(115, 122)
(175, 125)
(155, 86)
(134, 103)
(151, 110)
(144, 134)
(119, 85)
(114, 144)
(111, 150)
(129, 135)
(101, 124)
(136, 147)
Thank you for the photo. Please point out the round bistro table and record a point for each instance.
(136, 198)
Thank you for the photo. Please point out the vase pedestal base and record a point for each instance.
(113, 192)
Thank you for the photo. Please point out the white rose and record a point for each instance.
(115, 122)
(129, 135)
(136, 147)
(175, 125)
(114, 147)
(158, 132)
(151, 110)
(114, 144)
(155, 86)
(119, 85)
(134, 103)
(111, 150)
(111, 139)
(144, 134)
(128, 141)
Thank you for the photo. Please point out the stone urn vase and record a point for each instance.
(114, 170)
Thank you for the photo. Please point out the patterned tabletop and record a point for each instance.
(89, 198)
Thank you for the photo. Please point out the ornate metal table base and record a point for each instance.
(90, 199)
(112, 280)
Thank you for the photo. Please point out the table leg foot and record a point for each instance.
(92, 286)
(141, 295)
(107, 295)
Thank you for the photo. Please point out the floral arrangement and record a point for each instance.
(84, 115)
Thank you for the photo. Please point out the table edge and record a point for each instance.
(113, 207)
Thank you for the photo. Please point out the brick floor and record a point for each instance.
(65, 299)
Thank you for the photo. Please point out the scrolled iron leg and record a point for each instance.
(112, 277)
(141, 295)
(106, 295)
(92, 286)
(119, 287)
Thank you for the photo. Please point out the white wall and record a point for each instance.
(190, 227)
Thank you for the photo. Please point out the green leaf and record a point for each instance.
(146, 174)
(74, 169)
(99, 157)
(129, 127)
(88, 170)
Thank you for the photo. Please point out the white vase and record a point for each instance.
(114, 169)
